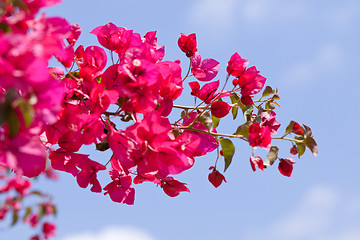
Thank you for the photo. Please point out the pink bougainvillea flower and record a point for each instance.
(3, 211)
(215, 177)
(236, 65)
(70, 141)
(24, 153)
(297, 129)
(286, 166)
(67, 161)
(95, 57)
(114, 38)
(49, 33)
(148, 177)
(270, 121)
(19, 184)
(195, 88)
(294, 150)
(207, 92)
(101, 98)
(75, 32)
(48, 208)
(251, 82)
(207, 142)
(259, 136)
(256, 162)
(220, 109)
(151, 37)
(205, 70)
(36, 237)
(66, 57)
(88, 174)
(49, 230)
(187, 44)
(120, 189)
(34, 6)
(158, 50)
(170, 79)
(80, 56)
(158, 151)
(13, 202)
(32, 219)
(173, 187)
(92, 129)
(170, 160)
(246, 100)
(151, 126)
(122, 147)
(91, 61)
(166, 107)
(108, 35)
(188, 144)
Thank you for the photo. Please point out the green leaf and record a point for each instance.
(234, 110)
(215, 121)
(27, 111)
(308, 131)
(20, 4)
(272, 156)
(27, 213)
(122, 100)
(267, 91)
(243, 130)
(42, 211)
(206, 120)
(270, 105)
(176, 133)
(228, 151)
(15, 217)
(242, 106)
(72, 75)
(301, 148)
(184, 113)
(247, 112)
(289, 127)
(103, 145)
(54, 210)
(311, 144)
(276, 97)
(5, 27)
(5, 109)
(13, 123)
(36, 193)
(234, 98)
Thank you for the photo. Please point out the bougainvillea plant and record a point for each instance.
(121, 102)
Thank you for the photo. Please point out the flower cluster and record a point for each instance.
(17, 190)
(123, 101)
(30, 97)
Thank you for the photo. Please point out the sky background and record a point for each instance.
(309, 50)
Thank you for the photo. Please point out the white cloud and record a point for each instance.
(113, 233)
(212, 13)
(317, 216)
(328, 59)
(310, 217)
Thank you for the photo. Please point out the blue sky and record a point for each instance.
(309, 51)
